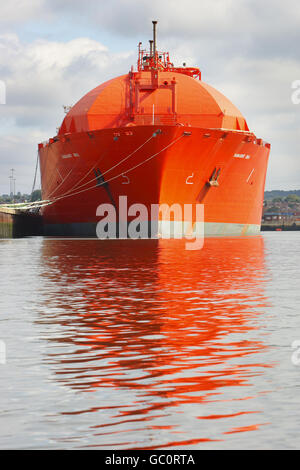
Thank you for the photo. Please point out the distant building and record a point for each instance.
(278, 217)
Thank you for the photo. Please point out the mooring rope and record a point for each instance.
(49, 201)
(35, 173)
(120, 174)
(105, 172)
(62, 182)
(24, 206)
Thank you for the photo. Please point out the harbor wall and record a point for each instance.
(16, 224)
(266, 227)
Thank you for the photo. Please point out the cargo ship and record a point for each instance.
(157, 135)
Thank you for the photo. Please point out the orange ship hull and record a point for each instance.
(224, 170)
(157, 136)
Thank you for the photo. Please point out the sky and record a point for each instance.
(54, 52)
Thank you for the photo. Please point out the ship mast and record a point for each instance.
(154, 43)
(154, 60)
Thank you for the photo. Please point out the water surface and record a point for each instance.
(127, 344)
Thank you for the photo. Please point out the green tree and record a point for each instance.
(36, 195)
(272, 209)
(292, 198)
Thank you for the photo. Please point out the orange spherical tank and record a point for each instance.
(144, 97)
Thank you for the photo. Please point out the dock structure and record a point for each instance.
(18, 223)
(267, 227)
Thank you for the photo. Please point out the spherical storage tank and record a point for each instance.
(156, 93)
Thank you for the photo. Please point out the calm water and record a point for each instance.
(141, 344)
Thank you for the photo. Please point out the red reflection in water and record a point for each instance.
(253, 427)
(176, 327)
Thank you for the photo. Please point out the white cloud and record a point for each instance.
(16, 11)
(40, 78)
(188, 18)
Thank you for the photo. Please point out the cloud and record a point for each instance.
(40, 78)
(19, 11)
(244, 25)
